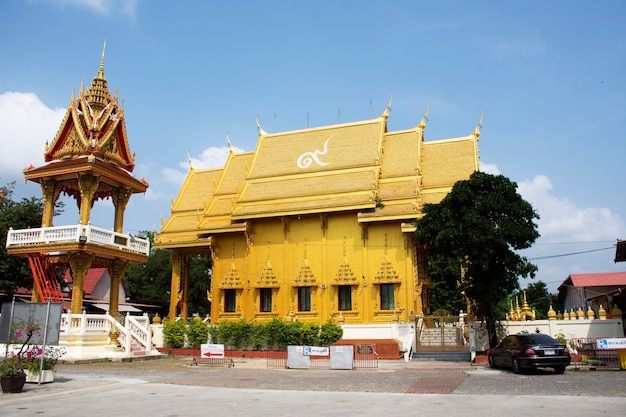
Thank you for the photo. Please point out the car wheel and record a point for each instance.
(492, 362)
(559, 369)
(515, 366)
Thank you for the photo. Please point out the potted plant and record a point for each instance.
(12, 376)
(39, 363)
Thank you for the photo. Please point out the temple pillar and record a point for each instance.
(50, 195)
(116, 270)
(184, 313)
(88, 185)
(120, 200)
(79, 264)
(175, 284)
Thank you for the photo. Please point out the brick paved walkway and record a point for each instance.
(391, 376)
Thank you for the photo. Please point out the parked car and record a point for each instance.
(530, 351)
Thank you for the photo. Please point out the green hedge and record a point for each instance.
(244, 335)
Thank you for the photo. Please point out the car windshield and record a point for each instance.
(538, 339)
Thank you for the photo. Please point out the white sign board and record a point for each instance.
(212, 351)
(612, 343)
(316, 351)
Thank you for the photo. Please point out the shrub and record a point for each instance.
(174, 333)
(197, 332)
(330, 333)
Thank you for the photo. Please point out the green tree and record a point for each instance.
(446, 276)
(151, 281)
(479, 226)
(15, 271)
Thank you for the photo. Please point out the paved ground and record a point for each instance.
(171, 387)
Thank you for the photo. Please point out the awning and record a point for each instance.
(120, 307)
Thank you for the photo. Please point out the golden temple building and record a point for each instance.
(315, 224)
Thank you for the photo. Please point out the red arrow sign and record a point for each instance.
(210, 354)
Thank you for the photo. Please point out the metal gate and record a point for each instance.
(440, 331)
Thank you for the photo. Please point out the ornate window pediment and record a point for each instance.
(231, 280)
(344, 275)
(386, 272)
(305, 277)
(268, 278)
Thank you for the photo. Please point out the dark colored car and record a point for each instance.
(530, 351)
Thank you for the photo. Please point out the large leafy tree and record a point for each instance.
(479, 226)
(14, 271)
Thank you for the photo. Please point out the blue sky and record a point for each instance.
(549, 77)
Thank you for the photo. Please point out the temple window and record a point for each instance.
(230, 297)
(266, 300)
(304, 298)
(344, 297)
(387, 301)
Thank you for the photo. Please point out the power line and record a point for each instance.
(567, 254)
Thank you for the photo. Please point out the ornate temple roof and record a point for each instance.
(91, 140)
(358, 167)
(93, 125)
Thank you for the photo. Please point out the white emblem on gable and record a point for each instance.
(306, 159)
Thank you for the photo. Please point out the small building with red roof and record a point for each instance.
(592, 290)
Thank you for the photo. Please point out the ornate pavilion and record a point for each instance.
(316, 223)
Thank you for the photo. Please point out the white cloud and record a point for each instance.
(126, 8)
(212, 157)
(25, 126)
(562, 221)
(489, 169)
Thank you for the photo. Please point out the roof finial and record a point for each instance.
(258, 126)
(422, 124)
(189, 160)
(388, 108)
(230, 145)
(101, 70)
(478, 126)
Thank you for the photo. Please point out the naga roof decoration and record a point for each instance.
(93, 125)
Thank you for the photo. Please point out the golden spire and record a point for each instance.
(101, 70)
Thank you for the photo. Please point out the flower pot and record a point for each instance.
(13, 383)
(47, 375)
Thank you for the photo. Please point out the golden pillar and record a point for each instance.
(175, 283)
(184, 313)
(50, 193)
(88, 185)
(120, 200)
(116, 270)
(79, 264)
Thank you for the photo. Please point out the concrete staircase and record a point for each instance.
(137, 350)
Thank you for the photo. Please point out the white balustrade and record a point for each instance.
(77, 233)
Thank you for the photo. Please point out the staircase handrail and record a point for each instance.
(139, 332)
